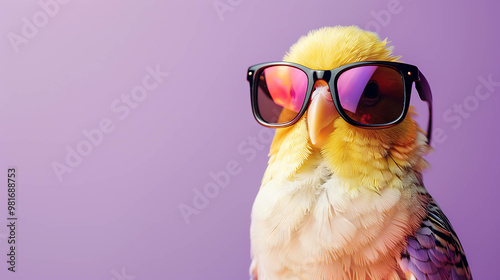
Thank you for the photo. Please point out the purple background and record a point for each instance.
(117, 213)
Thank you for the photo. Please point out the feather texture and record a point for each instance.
(434, 251)
(356, 207)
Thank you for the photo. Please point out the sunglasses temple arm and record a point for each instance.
(424, 91)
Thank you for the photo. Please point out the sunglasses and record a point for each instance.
(369, 94)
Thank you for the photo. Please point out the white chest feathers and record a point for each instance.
(312, 227)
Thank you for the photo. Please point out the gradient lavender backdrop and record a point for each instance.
(116, 215)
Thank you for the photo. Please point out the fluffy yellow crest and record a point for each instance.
(330, 47)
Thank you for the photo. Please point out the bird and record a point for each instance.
(339, 201)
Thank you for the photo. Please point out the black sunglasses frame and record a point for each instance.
(409, 74)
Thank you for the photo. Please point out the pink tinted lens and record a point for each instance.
(281, 93)
(371, 94)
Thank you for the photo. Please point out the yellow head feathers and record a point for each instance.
(330, 47)
(368, 157)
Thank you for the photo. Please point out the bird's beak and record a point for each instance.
(320, 115)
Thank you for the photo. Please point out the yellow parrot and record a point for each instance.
(343, 201)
